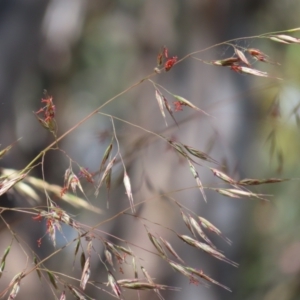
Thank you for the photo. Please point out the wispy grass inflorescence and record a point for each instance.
(114, 171)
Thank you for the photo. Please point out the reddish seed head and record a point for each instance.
(84, 172)
(258, 54)
(49, 114)
(177, 105)
(37, 218)
(170, 63)
(235, 68)
(260, 57)
(254, 52)
(39, 242)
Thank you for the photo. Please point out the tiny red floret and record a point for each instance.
(39, 242)
(170, 63)
(37, 218)
(177, 105)
(236, 68)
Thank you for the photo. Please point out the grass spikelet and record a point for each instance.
(250, 181)
(85, 274)
(185, 102)
(149, 279)
(235, 193)
(199, 154)
(78, 295)
(160, 100)
(207, 278)
(206, 248)
(63, 296)
(206, 224)
(52, 279)
(2, 265)
(105, 157)
(223, 177)
(242, 56)
(226, 62)
(182, 269)
(171, 249)
(7, 149)
(157, 245)
(105, 175)
(10, 181)
(114, 250)
(16, 286)
(285, 39)
(198, 181)
(127, 185)
(114, 284)
(187, 222)
(199, 230)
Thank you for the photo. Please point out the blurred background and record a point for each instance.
(85, 52)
